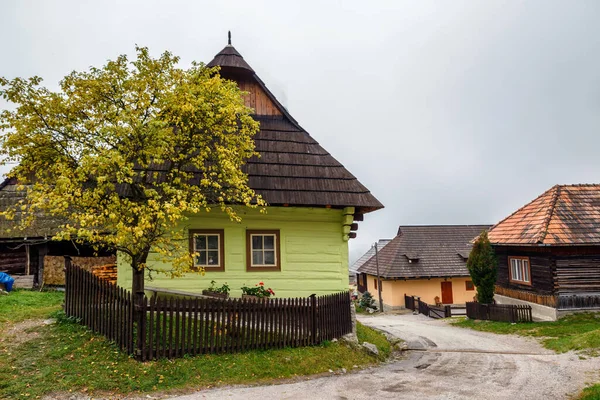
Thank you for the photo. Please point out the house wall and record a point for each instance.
(393, 291)
(314, 255)
(541, 265)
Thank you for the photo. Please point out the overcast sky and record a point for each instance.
(449, 112)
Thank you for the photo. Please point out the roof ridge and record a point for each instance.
(549, 213)
(521, 208)
(442, 225)
(578, 185)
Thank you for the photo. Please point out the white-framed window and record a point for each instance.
(209, 249)
(263, 250)
(520, 270)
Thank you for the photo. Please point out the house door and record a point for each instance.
(447, 293)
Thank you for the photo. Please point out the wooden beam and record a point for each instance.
(359, 217)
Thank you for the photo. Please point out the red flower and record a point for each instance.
(261, 283)
(271, 291)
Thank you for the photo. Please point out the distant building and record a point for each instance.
(363, 259)
(429, 261)
(549, 252)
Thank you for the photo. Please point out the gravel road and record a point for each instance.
(444, 362)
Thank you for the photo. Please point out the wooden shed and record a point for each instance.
(549, 250)
(25, 253)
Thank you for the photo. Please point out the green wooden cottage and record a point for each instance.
(300, 246)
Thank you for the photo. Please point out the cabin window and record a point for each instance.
(376, 280)
(262, 250)
(208, 245)
(469, 285)
(520, 271)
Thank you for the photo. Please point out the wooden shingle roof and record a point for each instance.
(425, 251)
(293, 169)
(563, 215)
(43, 227)
(367, 256)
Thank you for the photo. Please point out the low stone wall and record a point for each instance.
(538, 311)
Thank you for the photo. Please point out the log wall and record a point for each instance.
(13, 261)
(578, 274)
(542, 270)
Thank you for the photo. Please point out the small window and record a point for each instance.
(469, 285)
(262, 251)
(519, 270)
(209, 248)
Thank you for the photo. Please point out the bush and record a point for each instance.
(367, 301)
(482, 265)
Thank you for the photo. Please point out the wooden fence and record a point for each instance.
(580, 301)
(414, 303)
(173, 327)
(544, 300)
(499, 312)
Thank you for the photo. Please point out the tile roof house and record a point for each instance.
(300, 246)
(427, 261)
(549, 250)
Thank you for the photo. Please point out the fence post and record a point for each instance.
(313, 311)
(447, 311)
(67, 303)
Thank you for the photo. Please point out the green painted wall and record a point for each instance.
(314, 254)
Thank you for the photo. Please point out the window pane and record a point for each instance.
(200, 242)
(257, 258)
(213, 257)
(256, 242)
(526, 270)
(269, 242)
(519, 270)
(269, 257)
(213, 241)
(513, 269)
(202, 258)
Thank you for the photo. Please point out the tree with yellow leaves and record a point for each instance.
(126, 152)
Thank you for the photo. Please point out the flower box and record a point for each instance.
(252, 297)
(215, 294)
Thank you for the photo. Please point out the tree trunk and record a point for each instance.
(137, 287)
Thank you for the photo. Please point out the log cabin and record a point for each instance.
(549, 252)
(300, 245)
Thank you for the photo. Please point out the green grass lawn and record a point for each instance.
(38, 359)
(580, 332)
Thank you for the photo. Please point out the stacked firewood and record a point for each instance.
(106, 272)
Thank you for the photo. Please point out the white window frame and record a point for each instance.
(274, 249)
(520, 270)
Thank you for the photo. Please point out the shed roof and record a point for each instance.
(43, 227)
(425, 251)
(564, 215)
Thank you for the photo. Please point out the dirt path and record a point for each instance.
(445, 363)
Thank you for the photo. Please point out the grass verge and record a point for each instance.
(66, 357)
(579, 332)
(590, 393)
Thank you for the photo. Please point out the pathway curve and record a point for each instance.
(444, 362)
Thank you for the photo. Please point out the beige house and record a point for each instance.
(429, 261)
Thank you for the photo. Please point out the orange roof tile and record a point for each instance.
(563, 215)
